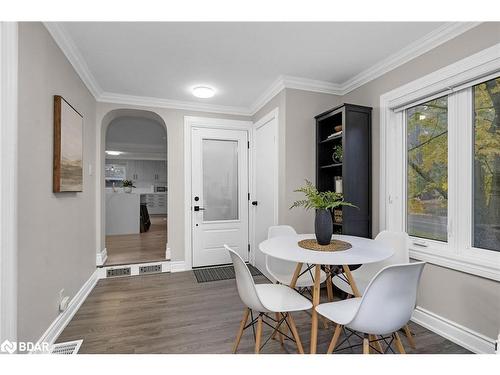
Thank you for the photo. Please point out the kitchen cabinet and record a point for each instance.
(149, 171)
(156, 203)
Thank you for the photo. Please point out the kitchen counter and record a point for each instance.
(122, 213)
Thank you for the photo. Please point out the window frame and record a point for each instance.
(456, 81)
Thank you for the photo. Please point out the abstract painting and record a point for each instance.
(68, 147)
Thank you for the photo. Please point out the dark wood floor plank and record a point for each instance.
(172, 313)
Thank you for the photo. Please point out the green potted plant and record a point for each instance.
(128, 185)
(322, 202)
(337, 154)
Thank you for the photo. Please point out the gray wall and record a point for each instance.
(297, 158)
(469, 300)
(56, 231)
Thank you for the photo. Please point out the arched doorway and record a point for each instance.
(135, 217)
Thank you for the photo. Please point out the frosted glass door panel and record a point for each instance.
(220, 179)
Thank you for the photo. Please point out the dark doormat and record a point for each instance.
(204, 275)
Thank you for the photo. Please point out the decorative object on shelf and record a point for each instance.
(338, 153)
(337, 216)
(338, 184)
(68, 147)
(338, 128)
(333, 135)
(334, 245)
(128, 185)
(323, 202)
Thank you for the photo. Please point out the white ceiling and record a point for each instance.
(137, 137)
(240, 60)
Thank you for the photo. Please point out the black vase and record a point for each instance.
(323, 226)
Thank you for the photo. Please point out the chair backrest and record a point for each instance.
(389, 299)
(399, 242)
(278, 266)
(244, 282)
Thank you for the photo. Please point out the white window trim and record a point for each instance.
(455, 80)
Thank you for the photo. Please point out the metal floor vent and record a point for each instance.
(115, 272)
(69, 347)
(150, 269)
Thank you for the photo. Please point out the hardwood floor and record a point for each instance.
(139, 248)
(172, 313)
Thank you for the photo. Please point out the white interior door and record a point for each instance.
(219, 195)
(265, 200)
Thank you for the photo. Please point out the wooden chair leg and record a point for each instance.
(376, 343)
(277, 332)
(258, 334)
(240, 331)
(366, 345)
(335, 338)
(399, 344)
(295, 333)
(409, 337)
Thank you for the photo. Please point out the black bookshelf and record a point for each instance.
(355, 167)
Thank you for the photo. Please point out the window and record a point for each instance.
(486, 165)
(427, 169)
(440, 165)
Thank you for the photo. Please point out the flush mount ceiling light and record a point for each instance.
(203, 92)
(114, 153)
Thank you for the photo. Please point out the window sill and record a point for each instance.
(487, 269)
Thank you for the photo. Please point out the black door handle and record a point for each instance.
(255, 203)
(198, 208)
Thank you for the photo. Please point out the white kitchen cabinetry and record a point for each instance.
(161, 171)
(156, 203)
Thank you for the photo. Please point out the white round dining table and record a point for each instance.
(363, 251)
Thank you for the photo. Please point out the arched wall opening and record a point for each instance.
(133, 226)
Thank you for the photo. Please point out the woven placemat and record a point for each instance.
(335, 245)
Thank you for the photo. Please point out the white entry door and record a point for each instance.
(219, 195)
(265, 201)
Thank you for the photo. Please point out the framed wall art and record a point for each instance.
(68, 147)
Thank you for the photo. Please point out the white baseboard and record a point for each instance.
(62, 320)
(463, 336)
(101, 257)
(178, 266)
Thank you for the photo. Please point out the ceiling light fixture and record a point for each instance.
(203, 92)
(114, 153)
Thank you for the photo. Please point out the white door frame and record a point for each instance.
(8, 180)
(272, 115)
(211, 123)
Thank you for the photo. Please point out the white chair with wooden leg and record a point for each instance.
(268, 302)
(386, 305)
(399, 242)
(283, 270)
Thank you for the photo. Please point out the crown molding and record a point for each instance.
(419, 47)
(145, 101)
(413, 50)
(70, 50)
(274, 89)
(291, 82)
